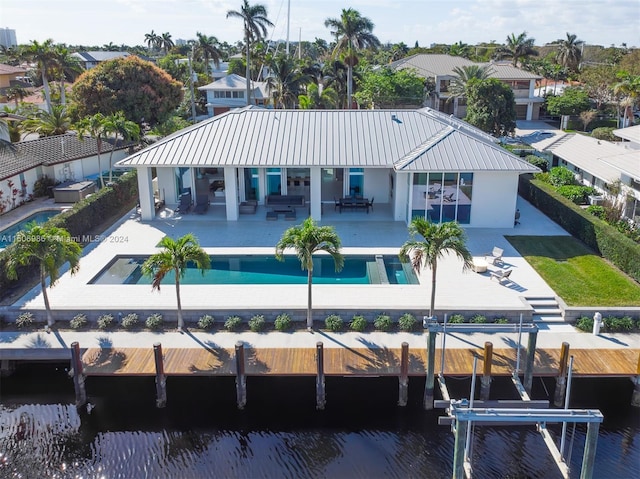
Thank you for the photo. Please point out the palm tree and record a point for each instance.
(43, 55)
(16, 93)
(66, 68)
(206, 48)
(165, 42)
(118, 124)
(458, 86)
(307, 239)
(54, 122)
(255, 28)
(569, 53)
(516, 48)
(95, 126)
(152, 40)
(50, 247)
(353, 33)
(174, 257)
(460, 50)
(285, 82)
(318, 97)
(629, 88)
(439, 239)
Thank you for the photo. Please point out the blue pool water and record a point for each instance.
(7, 235)
(265, 269)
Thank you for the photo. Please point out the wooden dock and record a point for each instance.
(349, 362)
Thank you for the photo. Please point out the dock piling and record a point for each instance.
(528, 365)
(635, 397)
(320, 390)
(241, 378)
(161, 379)
(404, 375)
(459, 447)
(78, 375)
(561, 380)
(589, 456)
(485, 380)
(431, 360)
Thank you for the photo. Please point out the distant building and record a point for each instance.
(91, 59)
(230, 91)
(8, 37)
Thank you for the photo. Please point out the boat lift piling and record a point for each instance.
(635, 397)
(78, 375)
(161, 378)
(241, 377)
(321, 400)
(403, 392)
(485, 380)
(561, 380)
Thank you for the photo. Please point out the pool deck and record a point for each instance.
(360, 234)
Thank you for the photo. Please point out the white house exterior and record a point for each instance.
(62, 158)
(229, 92)
(413, 162)
(441, 69)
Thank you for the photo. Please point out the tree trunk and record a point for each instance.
(43, 285)
(63, 93)
(180, 319)
(309, 310)
(434, 266)
(47, 90)
(349, 85)
(110, 159)
(99, 141)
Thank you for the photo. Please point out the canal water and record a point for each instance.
(361, 434)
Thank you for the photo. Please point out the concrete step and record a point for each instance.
(545, 318)
(548, 310)
(542, 302)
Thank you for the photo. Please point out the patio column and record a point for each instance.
(231, 193)
(145, 192)
(315, 194)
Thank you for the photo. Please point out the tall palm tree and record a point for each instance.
(152, 40)
(517, 48)
(207, 48)
(335, 76)
(318, 97)
(438, 240)
(16, 93)
(307, 239)
(460, 50)
(569, 51)
(118, 124)
(66, 68)
(49, 123)
(255, 28)
(43, 55)
(165, 42)
(285, 82)
(50, 248)
(95, 126)
(629, 89)
(174, 258)
(353, 33)
(458, 85)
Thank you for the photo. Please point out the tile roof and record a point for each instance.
(10, 70)
(49, 151)
(405, 139)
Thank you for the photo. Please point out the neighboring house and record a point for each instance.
(229, 92)
(412, 162)
(10, 76)
(440, 68)
(91, 59)
(601, 164)
(62, 158)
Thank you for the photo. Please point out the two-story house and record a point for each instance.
(229, 92)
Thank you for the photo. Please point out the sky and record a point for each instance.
(99, 22)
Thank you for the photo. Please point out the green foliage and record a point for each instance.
(573, 101)
(623, 252)
(604, 133)
(491, 106)
(596, 210)
(154, 321)
(237, 66)
(501, 321)
(24, 320)
(539, 162)
(169, 126)
(456, 319)
(178, 70)
(206, 322)
(614, 324)
(585, 323)
(576, 193)
(407, 322)
(358, 323)
(283, 322)
(131, 85)
(333, 322)
(78, 321)
(41, 186)
(130, 321)
(478, 319)
(543, 177)
(256, 323)
(232, 323)
(561, 176)
(105, 321)
(388, 88)
(383, 322)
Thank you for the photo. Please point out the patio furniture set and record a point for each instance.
(283, 204)
(355, 203)
(481, 265)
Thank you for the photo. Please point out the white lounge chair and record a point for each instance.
(501, 274)
(495, 257)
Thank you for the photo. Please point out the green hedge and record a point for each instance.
(592, 231)
(79, 220)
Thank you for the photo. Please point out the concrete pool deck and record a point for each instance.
(360, 234)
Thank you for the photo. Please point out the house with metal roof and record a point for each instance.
(62, 157)
(229, 92)
(440, 68)
(412, 162)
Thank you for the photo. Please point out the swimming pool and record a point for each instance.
(265, 269)
(7, 235)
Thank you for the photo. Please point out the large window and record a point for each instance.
(442, 197)
(251, 184)
(356, 182)
(274, 181)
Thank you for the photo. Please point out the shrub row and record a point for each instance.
(592, 231)
(476, 319)
(611, 324)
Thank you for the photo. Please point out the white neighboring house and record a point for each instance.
(91, 59)
(412, 162)
(229, 92)
(62, 158)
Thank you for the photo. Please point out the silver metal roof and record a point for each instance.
(255, 137)
(631, 133)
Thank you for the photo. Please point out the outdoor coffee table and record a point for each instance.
(480, 265)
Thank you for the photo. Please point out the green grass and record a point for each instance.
(578, 275)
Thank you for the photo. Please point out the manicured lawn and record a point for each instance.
(576, 274)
